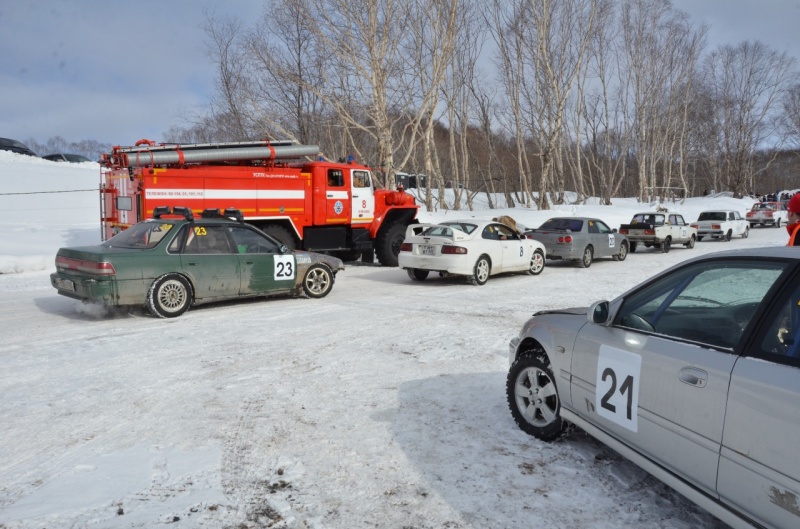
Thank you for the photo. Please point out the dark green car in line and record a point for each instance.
(172, 261)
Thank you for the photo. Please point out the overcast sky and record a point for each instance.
(117, 71)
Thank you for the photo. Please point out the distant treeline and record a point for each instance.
(92, 149)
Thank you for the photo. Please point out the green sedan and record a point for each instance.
(172, 261)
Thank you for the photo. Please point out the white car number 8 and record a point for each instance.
(617, 386)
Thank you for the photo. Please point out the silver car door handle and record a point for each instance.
(693, 377)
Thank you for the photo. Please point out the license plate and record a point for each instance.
(64, 284)
(427, 250)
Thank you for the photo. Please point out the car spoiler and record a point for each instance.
(548, 230)
(415, 230)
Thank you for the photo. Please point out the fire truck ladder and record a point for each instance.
(147, 153)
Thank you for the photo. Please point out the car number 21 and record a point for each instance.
(284, 267)
(617, 386)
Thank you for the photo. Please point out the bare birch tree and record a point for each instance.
(747, 84)
(459, 99)
(228, 105)
(548, 52)
(563, 32)
(363, 77)
(432, 32)
(284, 64)
(605, 138)
(507, 22)
(656, 62)
(791, 121)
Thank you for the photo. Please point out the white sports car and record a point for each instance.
(473, 248)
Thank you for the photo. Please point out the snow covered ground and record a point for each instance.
(379, 406)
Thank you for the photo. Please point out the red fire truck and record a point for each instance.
(315, 205)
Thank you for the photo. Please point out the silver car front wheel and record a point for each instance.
(533, 397)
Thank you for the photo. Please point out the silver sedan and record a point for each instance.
(580, 239)
(694, 375)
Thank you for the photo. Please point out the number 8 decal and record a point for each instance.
(617, 386)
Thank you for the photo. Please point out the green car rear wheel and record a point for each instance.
(170, 296)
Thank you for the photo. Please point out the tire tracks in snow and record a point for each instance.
(259, 487)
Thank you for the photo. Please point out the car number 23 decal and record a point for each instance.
(617, 386)
(284, 267)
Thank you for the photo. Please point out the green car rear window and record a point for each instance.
(143, 235)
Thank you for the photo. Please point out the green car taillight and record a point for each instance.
(99, 268)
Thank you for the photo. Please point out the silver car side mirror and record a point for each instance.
(599, 312)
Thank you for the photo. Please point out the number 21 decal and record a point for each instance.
(617, 386)
(284, 267)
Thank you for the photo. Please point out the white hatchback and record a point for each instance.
(472, 248)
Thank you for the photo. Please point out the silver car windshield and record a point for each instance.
(710, 303)
(562, 224)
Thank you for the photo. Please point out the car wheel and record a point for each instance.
(699, 237)
(533, 397)
(666, 245)
(633, 247)
(778, 223)
(480, 274)
(416, 274)
(746, 233)
(318, 281)
(728, 235)
(537, 263)
(586, 260)
(623, 252)
(690, 244)
(169, 296)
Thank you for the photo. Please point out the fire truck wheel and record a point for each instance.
(318, 281)
(388, 242)
(282, 234)
(170, 296)
(348, 256)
